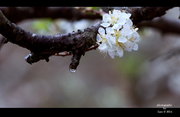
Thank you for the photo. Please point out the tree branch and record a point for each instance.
(77, 43)
(14, 14)
(42, 47)
(164, 25)
(68, 53)
(146, 13)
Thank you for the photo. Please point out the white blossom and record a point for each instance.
(117, 34)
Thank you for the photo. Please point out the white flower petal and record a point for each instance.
(105, 24)
(129, 46)
(127, 25)
(101, 31)
(106, 18)
(103, 47)
(111, 53)
(117, 26)
(116, 13)
(126, 31)
(129, 22)
(120, 52)
(122, 39)
(135, 47)
(125, 15)
(99, 39)
(109, 30)
(111, 40)
(137, 36)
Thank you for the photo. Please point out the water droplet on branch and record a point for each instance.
(72, 70)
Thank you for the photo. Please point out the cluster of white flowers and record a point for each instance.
(117, 34)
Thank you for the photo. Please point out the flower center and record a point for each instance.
(132, 39)
(104, 39)
(117, 34)
(120, 44)
(114, 20)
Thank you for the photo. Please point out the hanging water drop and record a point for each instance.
(72, 70)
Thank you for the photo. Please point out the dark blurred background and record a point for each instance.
(140, 79)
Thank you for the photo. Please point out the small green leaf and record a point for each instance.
(96, 8)
(42, 25)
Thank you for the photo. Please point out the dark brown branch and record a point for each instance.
(164, 25)
(145, 13)
(42, 47)
(68, 53)
(17, 14)
(148, 13)
(14, 14)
